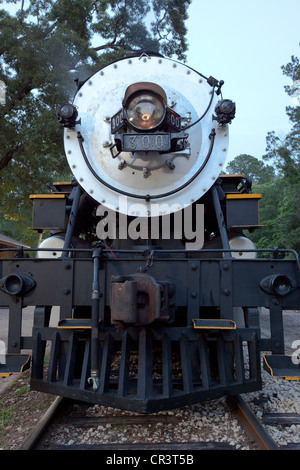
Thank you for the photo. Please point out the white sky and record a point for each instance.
(245, 43)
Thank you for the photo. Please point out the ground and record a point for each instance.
(20, 410)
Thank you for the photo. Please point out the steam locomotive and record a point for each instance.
(146, 291)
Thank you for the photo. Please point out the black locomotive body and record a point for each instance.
(150, 316)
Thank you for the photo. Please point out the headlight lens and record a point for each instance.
(145, 110)
(145, 105)
(67, 111)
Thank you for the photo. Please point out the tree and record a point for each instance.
(251, 168)
(44, 46)
(267, 183)
(285, 156)
(279, 182)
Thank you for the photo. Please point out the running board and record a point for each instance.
(75, 323)
(13, 364)
(282, 366)
(214, 324)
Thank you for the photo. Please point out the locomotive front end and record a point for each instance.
(158, 289)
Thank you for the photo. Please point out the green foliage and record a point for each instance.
(285, 156)
(251, 168)
(6, 416)
(44, 46)
(268, 213)
(279, 215)
(279, 181)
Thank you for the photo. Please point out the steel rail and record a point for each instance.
(253, 428)
(32, 439)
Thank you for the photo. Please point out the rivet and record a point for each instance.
(146, 172)
(130, 61)
(115, 66)
(102, 73)
(90, 82)
(174, 65)
(74, 166)
(69, 152)
(121, 164)
(170, 164)
(160, 61)
(80, 94)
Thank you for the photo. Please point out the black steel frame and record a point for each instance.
(176, 364)
(200, 283)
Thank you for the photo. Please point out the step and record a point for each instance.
(13, 364)
(214, 324)
(75, 323)
(280, 365)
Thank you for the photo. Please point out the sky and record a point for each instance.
(245, 43)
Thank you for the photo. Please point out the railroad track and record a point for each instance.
(255, 430)
(252, 427)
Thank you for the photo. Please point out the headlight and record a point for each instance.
(145, 106)
(225, 111)
(67, 111)
(67, 115)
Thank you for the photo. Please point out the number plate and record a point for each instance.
(146, 142)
